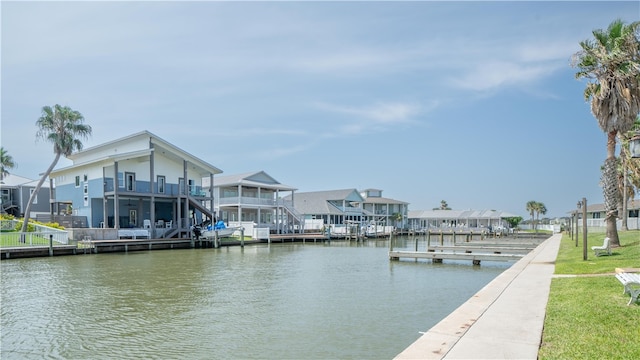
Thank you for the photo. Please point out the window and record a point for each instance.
(86, 189)
(633, 213)
(121, 180)
(130, 179)
(86, 200)
(77, 180)
(161, 182)
(85, 177)
(35, 198)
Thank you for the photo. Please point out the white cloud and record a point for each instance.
(382, 113)
(263, 132)
(495, 74)
(359, 120)
(279, 152)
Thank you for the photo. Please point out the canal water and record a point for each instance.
(342, 300)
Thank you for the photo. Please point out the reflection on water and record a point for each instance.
(283, 301)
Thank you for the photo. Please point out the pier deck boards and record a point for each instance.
(30, 251)
(137, 244)
(449, 255)
(481, 249)
(297, 237)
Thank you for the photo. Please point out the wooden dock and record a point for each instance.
(482, 249)
(95, 246)
(475, 253)
(437, 257)
(315, 237)
(36, 251)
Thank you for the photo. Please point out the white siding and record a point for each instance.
(120, 147)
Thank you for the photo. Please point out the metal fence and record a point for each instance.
(40, 237)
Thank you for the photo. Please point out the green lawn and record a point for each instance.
(587, 315)
(12, 239)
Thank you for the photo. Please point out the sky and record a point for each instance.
(475, 103)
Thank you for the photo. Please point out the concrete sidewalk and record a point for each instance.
(504, 320)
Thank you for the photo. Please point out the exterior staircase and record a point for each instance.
(297, 216)
(197, 203)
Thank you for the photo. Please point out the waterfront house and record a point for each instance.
(596, 216)
(253, 199)
(332, 207)
(385, 210)
(16, 191)
(138, 181)
(460, 219)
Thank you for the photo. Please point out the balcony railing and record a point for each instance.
(243, 200)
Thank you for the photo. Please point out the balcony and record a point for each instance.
(247, 201)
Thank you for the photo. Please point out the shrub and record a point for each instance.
(30, 227)
(6, 217)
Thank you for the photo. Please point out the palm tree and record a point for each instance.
(63, 127)
(540, 209)
(397, 218)
(629, 171)
(7, 163)
(531, 208)
(536, 208)
(611, 63)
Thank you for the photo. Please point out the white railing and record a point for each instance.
(34, 238)
(633, 223)
(543, 227)
(59, 236)
(245, 201)
(8, 224)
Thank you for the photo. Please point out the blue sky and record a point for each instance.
(474, 103)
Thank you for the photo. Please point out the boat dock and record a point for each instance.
(36, 251)
(298, 237)
(438, 257)
(95, 246)
(506, 250)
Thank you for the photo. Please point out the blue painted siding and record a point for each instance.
(143, 186)
(96, 187)
(70, 192)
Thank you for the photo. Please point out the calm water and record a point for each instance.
(283, 301)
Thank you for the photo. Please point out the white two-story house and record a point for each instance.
(138, 181)
(384, 210)
(253, 197)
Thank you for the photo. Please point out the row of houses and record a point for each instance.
(143, 181)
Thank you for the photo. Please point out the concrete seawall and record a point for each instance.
(504, 320)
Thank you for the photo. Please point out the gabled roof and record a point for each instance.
(255, 179)
(593, 208)
(351, 195)
(459, 214)
(318, 202)
(14, 181)
(111, 151)
(382, 200)
(315, 205)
